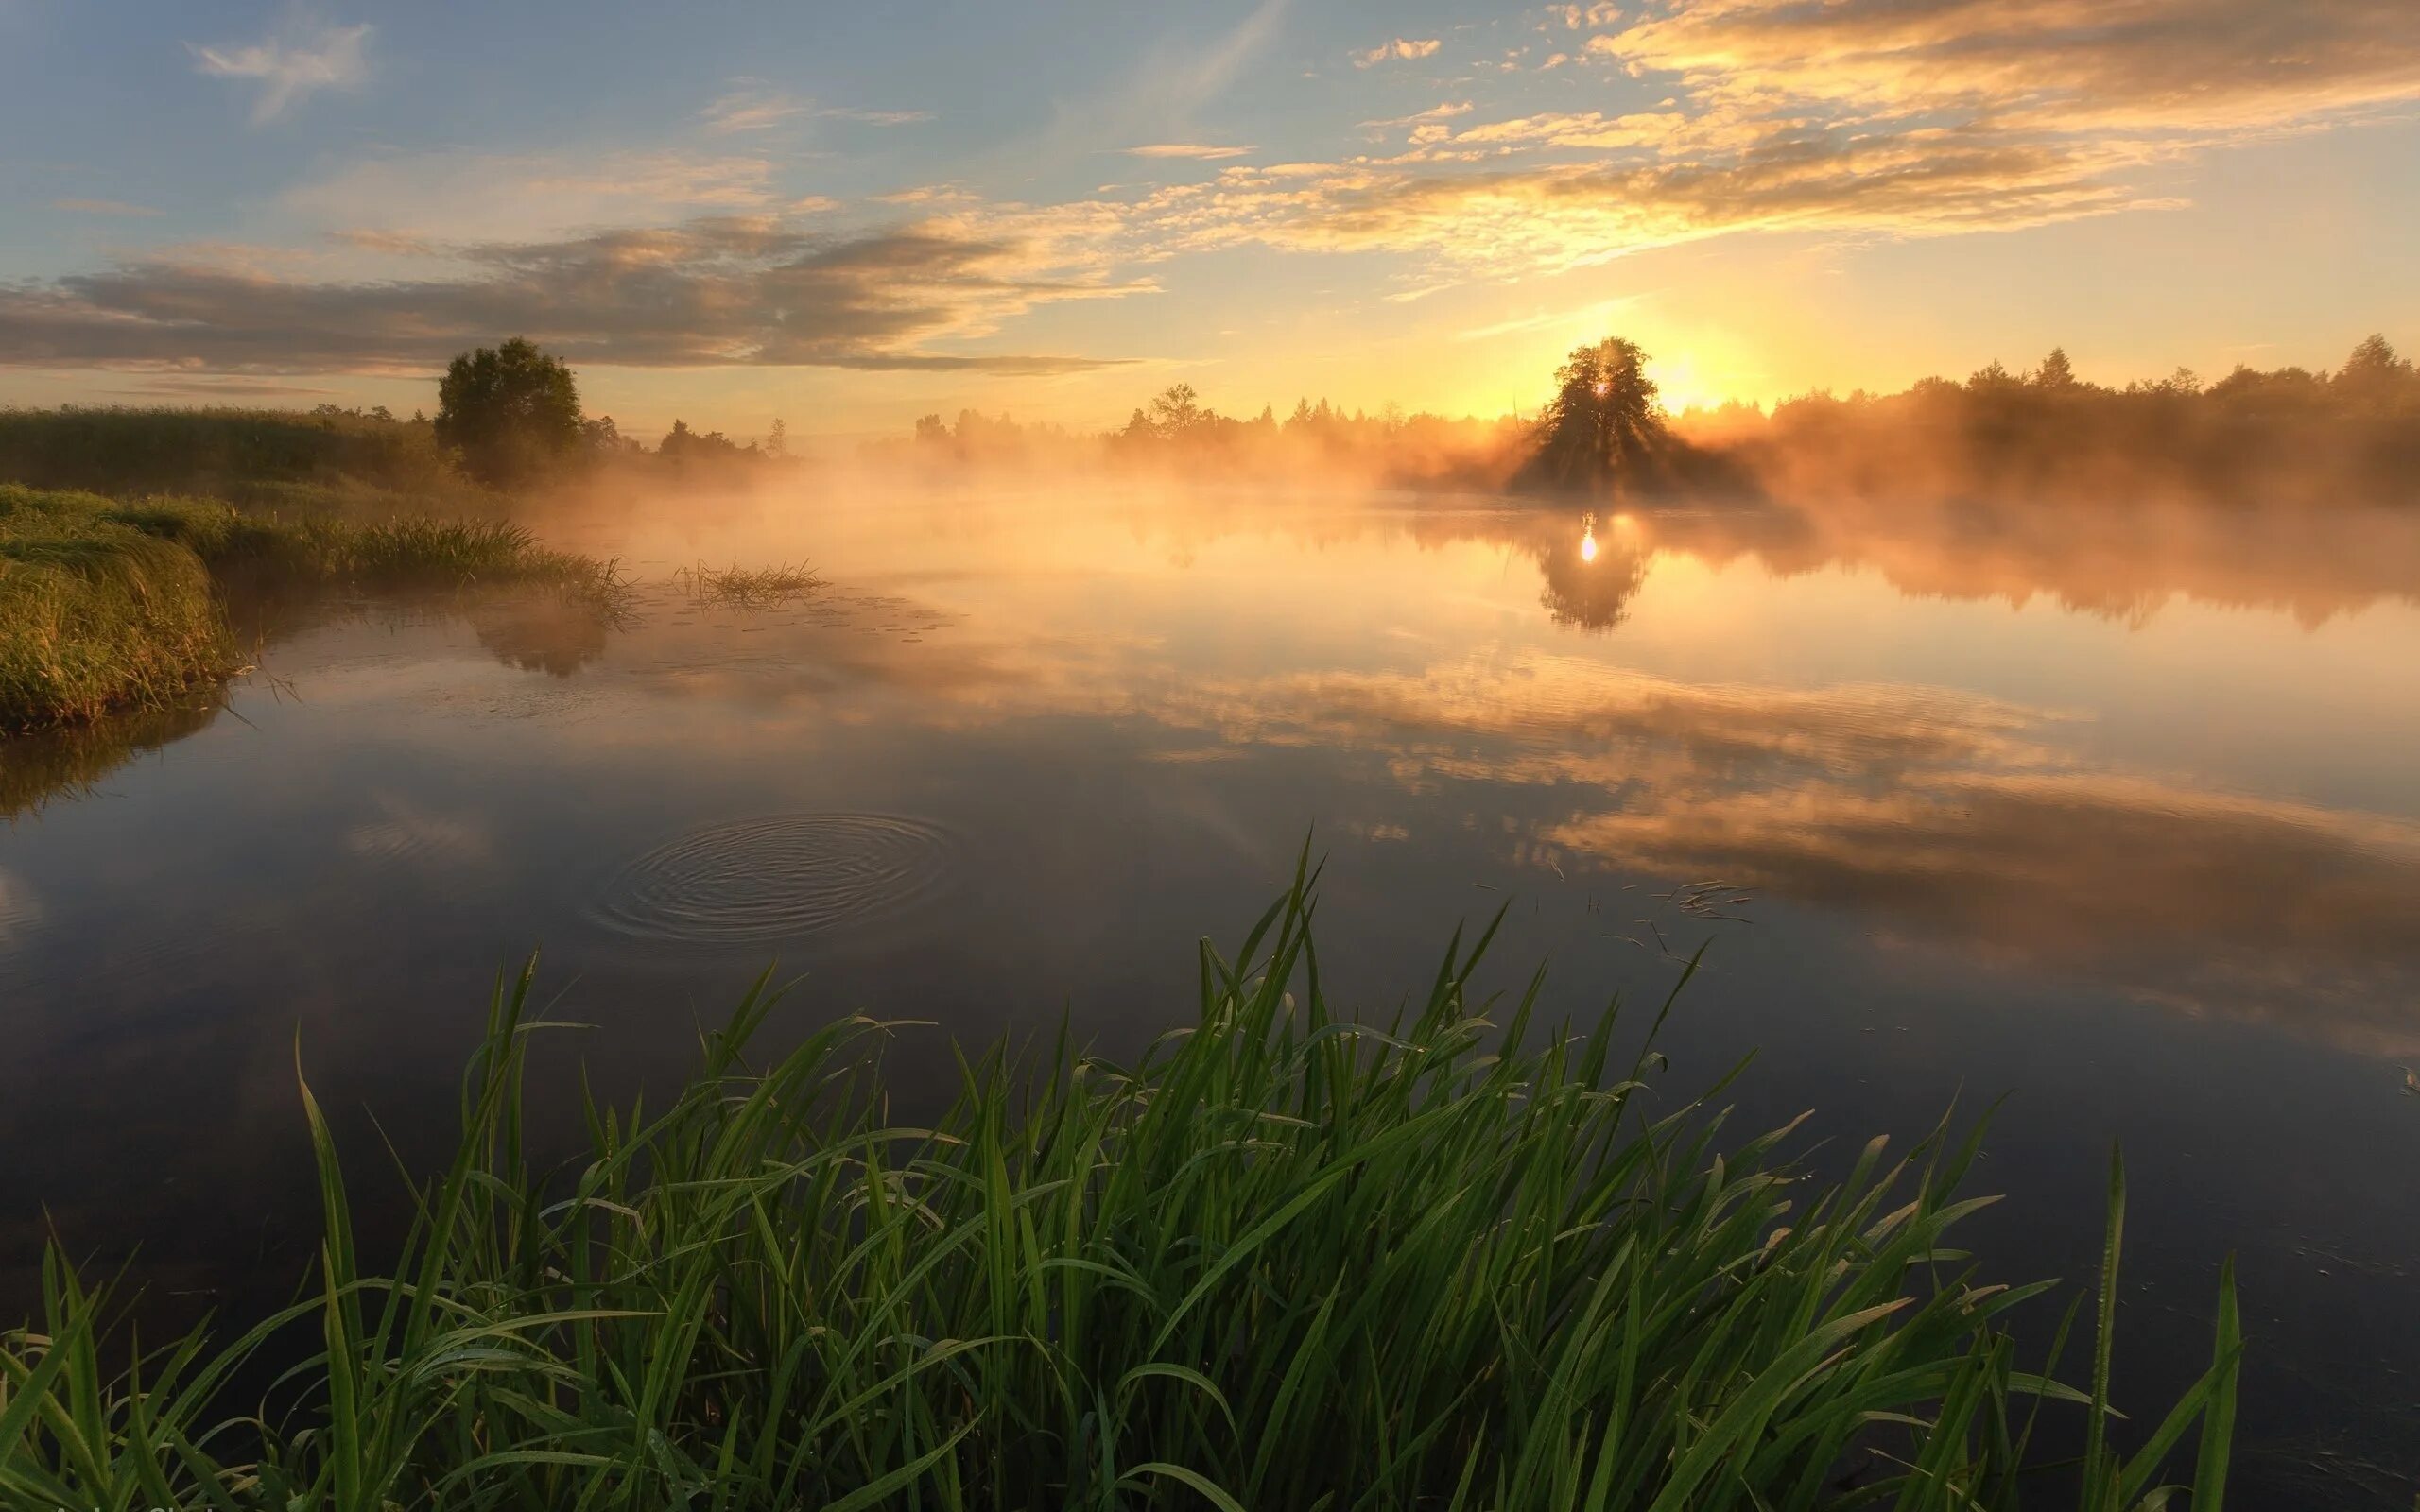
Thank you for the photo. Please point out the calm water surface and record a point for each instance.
(2115, 814)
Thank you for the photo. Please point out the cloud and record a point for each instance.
(750, 105)
(103, 206)
(289, 67)
(1401, 47)
(1186, 150)
(1900, 118)
(714, 291)
(750, 109)
(846, 112)
(2063, 66)
(221, 388)
(1445, 111)
(1578, 18)
(461, 196)
(1549, 215)
(1903, 118)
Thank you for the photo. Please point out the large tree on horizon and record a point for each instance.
(511, 412)
(1605, 424)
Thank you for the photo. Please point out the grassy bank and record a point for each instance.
(1282, 1260)
(96, 613)
(112, 604)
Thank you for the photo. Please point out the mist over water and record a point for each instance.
(2108, 810)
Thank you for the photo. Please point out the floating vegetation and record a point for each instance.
(1708, 899)
(746, 587)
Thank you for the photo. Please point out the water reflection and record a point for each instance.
(1589, 584)
(529, 630)
(1937, 818)
(51, 766)
(2111, 791)
(2123, 561)
(1930, 816)
(542, 632)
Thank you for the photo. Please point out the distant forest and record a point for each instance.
(2284, 438)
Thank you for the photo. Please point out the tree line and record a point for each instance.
(510, 415)
(2287, 436)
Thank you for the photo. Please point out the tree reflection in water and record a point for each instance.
(1591, 578)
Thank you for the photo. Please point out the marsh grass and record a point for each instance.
(746, 587)
(255, 456)
(1459, 1259)
(96, 613)
(111, 604)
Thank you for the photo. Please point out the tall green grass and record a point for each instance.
(1459, 1259)
(255, 455)
(111, 604)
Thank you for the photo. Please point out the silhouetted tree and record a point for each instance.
(1605, 424)
(2372, 372)
(1178, 411)
(2056, 373)
(603, 438)
(681, 444)
(510, 412)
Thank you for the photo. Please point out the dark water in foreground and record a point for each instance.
(2117, 815)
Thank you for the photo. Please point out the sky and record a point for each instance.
(845, 215)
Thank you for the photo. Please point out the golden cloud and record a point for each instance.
(1913, 119)
(1403, 48)
(2068, 66)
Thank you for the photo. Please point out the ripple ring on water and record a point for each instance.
(777, 878)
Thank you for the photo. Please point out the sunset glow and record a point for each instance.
(1257, 755)
(848, 220)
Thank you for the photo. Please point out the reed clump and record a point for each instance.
(746, 587)
(1285, 1259)
(113, 604)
